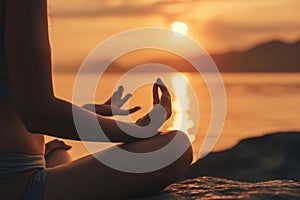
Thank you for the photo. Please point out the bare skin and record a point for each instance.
(36, 110)
(27, 143)
(56, 153)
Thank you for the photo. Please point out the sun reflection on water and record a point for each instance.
(181, 106)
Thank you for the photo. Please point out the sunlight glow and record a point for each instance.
(181, 106)
(180, 28)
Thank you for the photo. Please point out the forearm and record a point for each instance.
(56, 119)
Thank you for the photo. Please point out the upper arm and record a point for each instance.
(28, 54)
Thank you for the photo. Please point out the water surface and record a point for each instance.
(257, 103)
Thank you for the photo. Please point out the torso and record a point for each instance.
(14, 138)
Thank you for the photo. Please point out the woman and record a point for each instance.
(29, 110)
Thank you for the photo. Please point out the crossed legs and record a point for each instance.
(87, 178)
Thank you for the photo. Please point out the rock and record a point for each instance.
(269, 157)
(207, 188)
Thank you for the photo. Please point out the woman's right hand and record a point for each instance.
(164, 102)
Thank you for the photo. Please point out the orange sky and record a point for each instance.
(77, 26)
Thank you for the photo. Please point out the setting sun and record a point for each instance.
(179, 27)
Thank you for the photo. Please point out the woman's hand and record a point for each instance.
(55, 145)
(164, 101)
(113, 105)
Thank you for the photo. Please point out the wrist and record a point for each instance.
(144, 121)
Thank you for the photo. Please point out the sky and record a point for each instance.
(77, 26)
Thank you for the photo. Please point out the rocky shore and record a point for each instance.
(266, 167)
(269, 157)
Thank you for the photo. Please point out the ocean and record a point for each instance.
(256, 104)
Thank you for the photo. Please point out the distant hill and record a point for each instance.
(274, 56)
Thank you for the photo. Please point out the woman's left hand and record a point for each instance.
(113, 105)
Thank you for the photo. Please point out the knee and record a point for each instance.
(174, 171)
(184, 141)
(180, 166)
(187, 156)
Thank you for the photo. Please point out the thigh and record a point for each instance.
(87, 178)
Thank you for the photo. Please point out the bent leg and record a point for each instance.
(87, 178)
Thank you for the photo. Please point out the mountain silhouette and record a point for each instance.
(274, 56)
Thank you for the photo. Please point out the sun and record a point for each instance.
(179, 27)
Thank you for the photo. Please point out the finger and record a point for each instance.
(115, 96)
(64, 146)
(155, 94)
(52, 141)
(112, 98)
(58, 144)
(132, 110)
(121, 89)
(162, 86)
(119, 93)
(165, 100)
(123, 101)
(166, 103)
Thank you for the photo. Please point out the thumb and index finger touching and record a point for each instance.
(165, 93)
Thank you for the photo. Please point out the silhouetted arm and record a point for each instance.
(28, 57)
